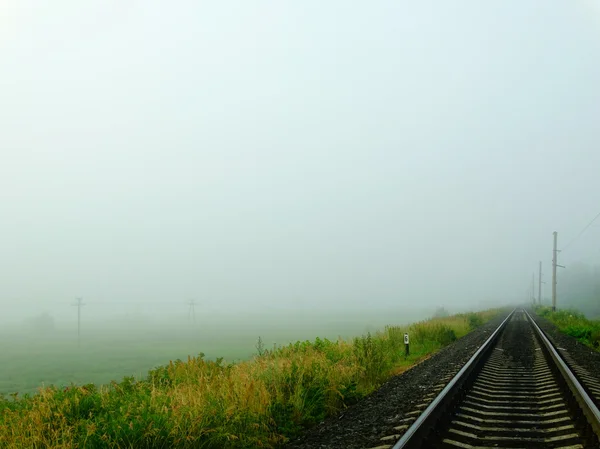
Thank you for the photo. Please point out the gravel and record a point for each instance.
(365, 423)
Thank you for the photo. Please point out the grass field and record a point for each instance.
(110, 352)
(27, 363)
(195, 402)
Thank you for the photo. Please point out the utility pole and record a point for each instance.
(79, 305)
(554, 265)
(532, 289)
(192, 310)
(554, 254)
(540, 285)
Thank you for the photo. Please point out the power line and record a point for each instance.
(582, 231)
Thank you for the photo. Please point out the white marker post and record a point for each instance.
(406, 345)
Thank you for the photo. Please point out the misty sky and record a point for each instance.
(293, 154)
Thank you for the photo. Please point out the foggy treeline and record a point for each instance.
(578, 286)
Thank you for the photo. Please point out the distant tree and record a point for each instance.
(440, 312)
(42, 324)
(578, 286)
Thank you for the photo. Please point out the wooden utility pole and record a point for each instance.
(532, 289)
(554, 266)
(540, 285)
(79, 305)
(554, 255)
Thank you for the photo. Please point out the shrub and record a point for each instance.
(474, 320)
(433, 332)
(441, 312)
(595, 338)
(583, 333)
(575, 324)
(370, 352)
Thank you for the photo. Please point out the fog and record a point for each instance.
(291, 162)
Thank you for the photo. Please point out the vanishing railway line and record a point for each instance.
(515, 392)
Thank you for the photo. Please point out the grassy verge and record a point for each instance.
(212, 404)
(575, 324)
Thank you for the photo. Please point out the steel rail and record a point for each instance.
(586, 403)
(420, 427)
(417, 432)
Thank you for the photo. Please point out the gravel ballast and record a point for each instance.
(395, 404)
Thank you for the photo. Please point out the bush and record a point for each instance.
(371, 354)
(474, 320)
(574, 323)
(432, 332)
(595, 338)
(583, 333)
(42, 324)
(441, 312)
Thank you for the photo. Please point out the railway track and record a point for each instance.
(515, 392)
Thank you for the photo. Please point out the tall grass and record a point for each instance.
(575, 324)
(212, 404)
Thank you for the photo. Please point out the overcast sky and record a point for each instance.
(293, 154)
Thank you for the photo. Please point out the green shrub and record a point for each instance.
(595, 338)
(474, 320)
(371, 354)
(432, 332)
(581, 332)
(575, 324)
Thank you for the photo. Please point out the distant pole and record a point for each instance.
(540, 285)
(554, 256)
(79, 305)
(192, 310)
(532, 288)
(554, 266)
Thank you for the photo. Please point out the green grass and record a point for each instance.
(214, 404)
(29, 360)
(575, 324)
(28, 363)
